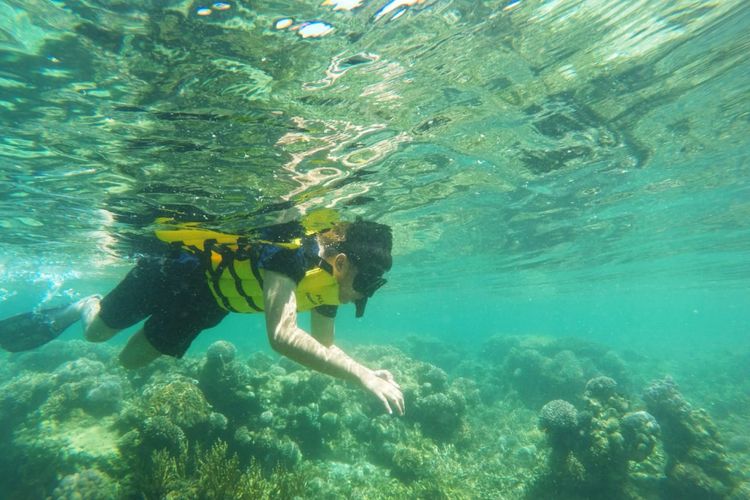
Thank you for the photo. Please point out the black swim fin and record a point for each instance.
(32, 329)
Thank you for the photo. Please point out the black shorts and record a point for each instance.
(172, 293)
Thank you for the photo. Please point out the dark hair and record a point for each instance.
(367, 243)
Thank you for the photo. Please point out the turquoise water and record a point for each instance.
(556, 169)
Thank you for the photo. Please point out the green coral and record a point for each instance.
(592, 450)
(228, 384)
(413, 461)
(89, 484)
(334, 438)
(698, 466)
(215, 474)
(161, 474)
(180, 400)
(271, 448)
(540, 369)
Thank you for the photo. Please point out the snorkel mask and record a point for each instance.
(367, 281)
(368, 246)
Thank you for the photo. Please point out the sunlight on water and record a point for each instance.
(465, 99)
(452, 106)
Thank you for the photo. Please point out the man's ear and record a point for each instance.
(341, 263)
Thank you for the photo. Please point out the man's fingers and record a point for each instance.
(387, 391)
(400, 405)
(398, 400)
(387, 406)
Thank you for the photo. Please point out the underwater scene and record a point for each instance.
(544, 206)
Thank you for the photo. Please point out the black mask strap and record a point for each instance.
(325, 266)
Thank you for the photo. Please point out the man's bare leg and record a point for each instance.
(138, 352)
(94, 329)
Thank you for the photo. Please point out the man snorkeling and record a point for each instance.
(209, 274)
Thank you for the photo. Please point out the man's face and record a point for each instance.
(345, 271)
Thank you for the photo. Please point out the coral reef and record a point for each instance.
(538, 369)
(214, 474)
(224, 425)
(180, 400)
(559, 419)
(89, 484)
(50, 356)
(697, 466)
(591, 450)
(436, 352)
(20, 396)
(640, 432)
(438, 407)
(105, 397)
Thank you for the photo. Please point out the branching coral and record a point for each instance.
(214, 474)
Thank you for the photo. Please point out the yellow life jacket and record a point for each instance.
(233, 275)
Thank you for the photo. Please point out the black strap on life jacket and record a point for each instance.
(253, 253)
(215, 274)
(230, 259)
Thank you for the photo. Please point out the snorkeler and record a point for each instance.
(208, 274)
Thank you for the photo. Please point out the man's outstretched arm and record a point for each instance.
(288, 339)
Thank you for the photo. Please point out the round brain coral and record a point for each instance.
(560, 420)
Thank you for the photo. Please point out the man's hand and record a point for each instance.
(291, 341)
(385, 388)
(387, 376)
